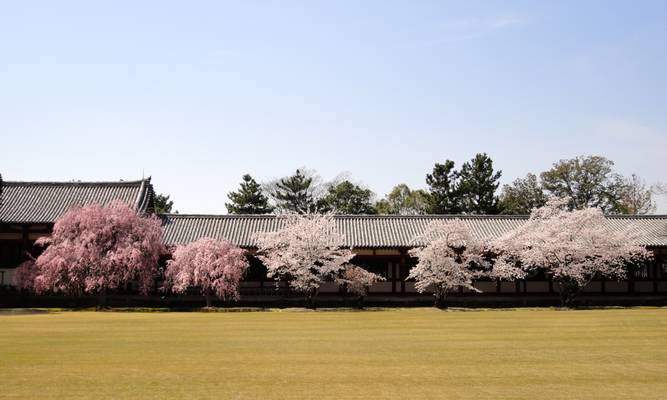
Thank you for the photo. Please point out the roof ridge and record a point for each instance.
(349, 216)
(74, 183)
(217, 215)
(636, 216)
(423, 216)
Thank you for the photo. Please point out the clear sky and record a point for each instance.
(198, 93)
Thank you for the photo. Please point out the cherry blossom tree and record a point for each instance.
(572, 247)
(307, 252)
(25, 274)
(450, 257)
(96, 249)
(214, 266)
(357, 281)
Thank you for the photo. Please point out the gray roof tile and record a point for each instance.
(44, 202)
(378, 231)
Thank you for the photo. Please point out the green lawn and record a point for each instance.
(401, 354)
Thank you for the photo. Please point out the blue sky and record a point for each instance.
(198, 93)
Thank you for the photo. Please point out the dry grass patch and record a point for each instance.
(402, 354)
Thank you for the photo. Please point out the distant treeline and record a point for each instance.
(474, 188)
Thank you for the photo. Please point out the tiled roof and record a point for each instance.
(44, 202)
(377, 231)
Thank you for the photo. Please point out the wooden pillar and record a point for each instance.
(402, 271)
(654, 267)
(24, 239)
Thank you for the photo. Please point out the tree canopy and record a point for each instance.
(471, 190)
(295, 193)
(572, 247)
(95, 249)
(249, 199)
(635, 196)
(403, 201)
(451, 258)
(522, 196)
(478, 184)
(585, 181)
(307, 252)
(348, 198)
(162, 204)
(214, 266)
(444, 196)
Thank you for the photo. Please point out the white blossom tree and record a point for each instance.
(306, 253)
(572, 247)
(449, 257)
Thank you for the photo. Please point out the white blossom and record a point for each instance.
(571, 246)
(307, 252)
(450, 257)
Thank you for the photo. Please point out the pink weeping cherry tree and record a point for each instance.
(94, 250)
(356, 280)
(25, 274)
(306, 253)
(449, 258)
(215, 267)
(571, 247)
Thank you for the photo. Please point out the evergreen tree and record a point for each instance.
(522, 196)
(162, 204)
(444, 196)
(249, 199)
(478, 185)
(348, 198)
(294, 194)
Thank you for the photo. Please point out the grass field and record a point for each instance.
(402, 354)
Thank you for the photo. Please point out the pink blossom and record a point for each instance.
(25, 274)
(95, 248)
(214, 266)
(357, 280)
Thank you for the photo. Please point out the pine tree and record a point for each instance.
(249, 199)
(162, 204)
(293, 194)
(478, 185)
(444, 196)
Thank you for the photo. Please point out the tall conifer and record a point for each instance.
(249, 199)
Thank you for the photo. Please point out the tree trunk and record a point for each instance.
(568, 290)
(102, 300)
(311, 299)
(360, 303)
(208, 300)
(440, 296)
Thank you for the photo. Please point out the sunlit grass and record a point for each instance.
(406, 354)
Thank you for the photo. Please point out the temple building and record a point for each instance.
(29, 209)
